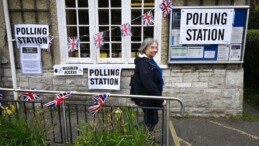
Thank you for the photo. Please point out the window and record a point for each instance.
(84, 18)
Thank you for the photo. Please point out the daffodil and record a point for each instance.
(9, 109)
(117, 113)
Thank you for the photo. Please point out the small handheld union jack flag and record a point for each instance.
(99, 100)
(59, 99)
(73, 44)
(148, 18)
(98, 40)
(166, 7)
(126, 29)
(30, 96)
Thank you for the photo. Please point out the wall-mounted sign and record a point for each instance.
(67, 70)
(206, 26)
(208, 34)
(30, 59)
(29, 34)
(104, 77)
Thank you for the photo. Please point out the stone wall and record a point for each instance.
(206, 90)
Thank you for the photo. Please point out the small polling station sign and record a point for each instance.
(104, 77)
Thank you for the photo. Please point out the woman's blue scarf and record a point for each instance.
(160, 73)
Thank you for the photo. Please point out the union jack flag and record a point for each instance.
(30, 96)
(126, 29)
(98, 40)
(50, 42)
(166, 7)
(99, 100)
(73, 44)
(148, 18)
(59, 99)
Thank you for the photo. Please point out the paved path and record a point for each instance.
(213, 132)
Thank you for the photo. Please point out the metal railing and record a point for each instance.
(65, 131)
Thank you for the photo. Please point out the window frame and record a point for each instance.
(94, 53)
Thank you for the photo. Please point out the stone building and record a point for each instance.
(206, 89)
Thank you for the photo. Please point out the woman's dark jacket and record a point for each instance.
(146, 81)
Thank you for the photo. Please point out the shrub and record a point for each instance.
(251, 67)
(251, 62)
(16, 130)
(120, 131)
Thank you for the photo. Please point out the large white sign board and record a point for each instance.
(206, 26)
(29, 34)
(104, 77)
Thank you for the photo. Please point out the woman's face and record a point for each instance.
(151, 50)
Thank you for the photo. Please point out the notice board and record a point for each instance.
(209, 34)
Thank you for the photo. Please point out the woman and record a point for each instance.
(147, 80)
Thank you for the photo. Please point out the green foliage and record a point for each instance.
(120, 131)
(16, 130)
(254, 17)
(245, 117)
(253, 36)
(251, 96)
(251, 61)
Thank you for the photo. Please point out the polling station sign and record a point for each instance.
(206, 26)
(32, 34)
(104, 77)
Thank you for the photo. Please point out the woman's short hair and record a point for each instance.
(144, 45)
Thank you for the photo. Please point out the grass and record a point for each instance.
(16, 130)
(245, 117)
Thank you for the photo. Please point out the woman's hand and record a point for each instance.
(164, 103)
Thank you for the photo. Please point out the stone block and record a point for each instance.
(200, 84)
(190, 77)
(234, 79)
(183, 84)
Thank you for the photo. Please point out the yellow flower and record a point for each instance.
(8, 110)
(117, 112)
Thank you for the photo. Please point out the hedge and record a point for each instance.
(251, 60)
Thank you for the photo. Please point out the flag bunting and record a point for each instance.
(73, 44)
(148, 18)
(99, 100)
(98, 40)
(59, 99)
(166, 7)
(30, 96)
(125, 29)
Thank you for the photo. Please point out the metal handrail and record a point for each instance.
(116, 96)
(113, 95)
